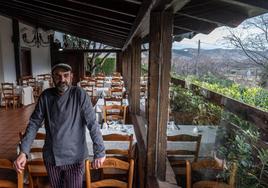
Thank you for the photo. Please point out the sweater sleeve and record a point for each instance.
(34, 124)
(92, 125)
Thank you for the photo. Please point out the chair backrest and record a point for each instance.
(111, 163)
(119, 138)
(36, 168)
(7, 165)
(8, 89)
(114, 112)
(116, 74)
(215, 168)
(118, 92)
(108, 101)
(184, 152)
(88, 88)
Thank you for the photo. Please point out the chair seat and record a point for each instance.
(37, 170)
(210, 184)
(7, 183)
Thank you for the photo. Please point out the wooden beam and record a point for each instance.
(67, 19)
(65, 10)
(94, 50)
(135, 75)
(78, 9)
(261, 4)
(190, 24)
(215, 12)
(124, 8)
(159, 77)
(119, 62)
(249, 113)
(16, 44)
(141, 19)
(76, 31)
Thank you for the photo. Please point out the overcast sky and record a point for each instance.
(210, 41)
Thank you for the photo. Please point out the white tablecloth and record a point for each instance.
(26, 94)
(44, 84)
(117, 129)
(207, 142)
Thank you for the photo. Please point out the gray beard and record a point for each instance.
(62, 88)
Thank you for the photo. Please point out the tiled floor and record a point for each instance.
(12, 121)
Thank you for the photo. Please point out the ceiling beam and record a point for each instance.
(215, 12)
(56, 18)
(140, 20)
(124, 8)
(81, 11)
(261, 4)
(190, 24)
(141, 23)
(75, 31)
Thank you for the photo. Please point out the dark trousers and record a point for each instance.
(66, 176)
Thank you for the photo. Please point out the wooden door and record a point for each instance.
(26, 62)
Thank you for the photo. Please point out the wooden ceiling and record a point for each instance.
(116, 22)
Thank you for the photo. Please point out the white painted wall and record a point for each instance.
(7, 67)
(41, 62)
(40, 56)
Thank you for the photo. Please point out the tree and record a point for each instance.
(253, 42)
(95, 59)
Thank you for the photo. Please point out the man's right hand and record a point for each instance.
(20, 162)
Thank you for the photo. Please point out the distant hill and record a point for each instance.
(214, 54)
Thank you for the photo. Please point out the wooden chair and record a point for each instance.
(114, 113)
(100, 74)
(99, 83)
(116, 74)
(88, 88)
(212, 165)
(35, 165)
(36, 169)
(24, 80)
(178, 157)
(119, 152)
(112, 163)
(10, 97)
(7, 169)
(36, 88)
(108, 101)
(116, 92)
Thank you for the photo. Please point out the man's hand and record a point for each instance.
(20, 162)
(97, 163)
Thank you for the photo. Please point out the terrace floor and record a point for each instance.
(12, 121)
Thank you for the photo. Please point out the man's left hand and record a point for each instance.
(97, 163)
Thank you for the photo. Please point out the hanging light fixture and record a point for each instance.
(39, 37)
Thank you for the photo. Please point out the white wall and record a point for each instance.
(40, 56)
(41, 62)
(7, 67)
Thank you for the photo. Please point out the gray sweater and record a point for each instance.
(66, 118)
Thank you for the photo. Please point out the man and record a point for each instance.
(67, 112)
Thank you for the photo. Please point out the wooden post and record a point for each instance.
(161, 24)
(135, 75)
(16, 43)
(119, 59)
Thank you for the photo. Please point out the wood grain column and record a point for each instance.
(161, 24)
(16, 43)
(119, 61)
(135, 75)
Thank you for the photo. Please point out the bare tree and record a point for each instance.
(92, 64)
(253, 43)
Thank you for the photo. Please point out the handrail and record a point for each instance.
(249, 113)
